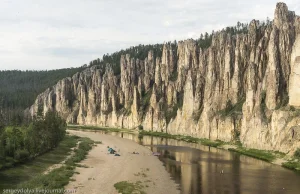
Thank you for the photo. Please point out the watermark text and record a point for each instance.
(38, 191)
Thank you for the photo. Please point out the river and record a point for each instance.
(201, 169)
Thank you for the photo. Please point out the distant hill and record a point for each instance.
(18, 89)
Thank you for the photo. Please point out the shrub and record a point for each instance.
(145, 101)
(284, 100)
(236, 134)
(127, 187)
(263, 106)
(297, 153)
(292, 108)
(84, 146)
(197, 114)
(174, 76)
(292, 165)
(232, 110)
(259, 154)
(171, 112)
(21, 155)
(180, 96)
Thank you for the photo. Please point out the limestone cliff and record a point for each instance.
(244, 86)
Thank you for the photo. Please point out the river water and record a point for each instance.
(201, 169)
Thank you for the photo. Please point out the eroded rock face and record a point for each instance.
(241, 87)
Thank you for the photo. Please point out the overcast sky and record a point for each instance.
(52, 34)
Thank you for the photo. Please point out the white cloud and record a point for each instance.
(167, 23)
(56, 34)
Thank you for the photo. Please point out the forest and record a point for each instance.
(18, 90)
(22, 143)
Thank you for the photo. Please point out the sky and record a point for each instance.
(54, 34)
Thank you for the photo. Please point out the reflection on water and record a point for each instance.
(206, 170)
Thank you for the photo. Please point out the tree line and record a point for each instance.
(19, 89)
(141, 51)
(138, 52)
(205, 40)
(22, 143)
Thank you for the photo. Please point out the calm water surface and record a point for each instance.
(198, 169)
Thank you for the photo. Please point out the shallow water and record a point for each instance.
(201, 169)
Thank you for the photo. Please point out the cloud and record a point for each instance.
(68, 52)
(57, 34)
(167, 23)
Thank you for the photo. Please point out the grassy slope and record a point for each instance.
(60, 177)
(293, 163)
(82, 127)
(9, 178)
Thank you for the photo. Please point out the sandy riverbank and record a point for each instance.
(104, 170)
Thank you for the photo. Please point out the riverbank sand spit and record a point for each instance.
(104, 170)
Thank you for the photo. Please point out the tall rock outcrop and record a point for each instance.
(243, 87)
